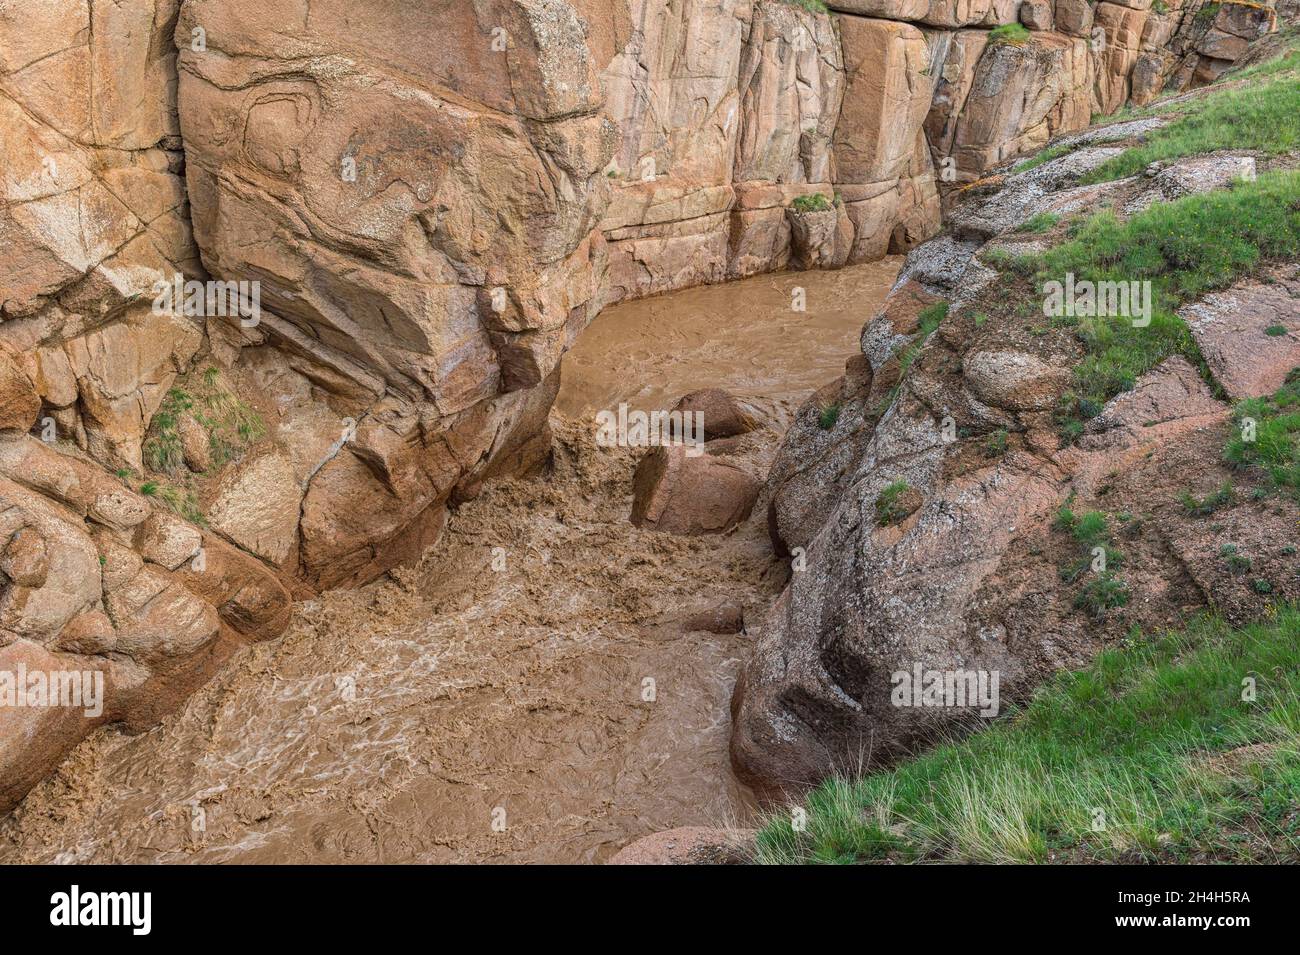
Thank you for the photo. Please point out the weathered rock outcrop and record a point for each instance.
(972, 573)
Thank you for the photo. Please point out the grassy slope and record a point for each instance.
(1130, 737)
(1263, 115)
(1184, 248)
(1188, 247)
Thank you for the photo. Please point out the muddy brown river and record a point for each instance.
(524, 694)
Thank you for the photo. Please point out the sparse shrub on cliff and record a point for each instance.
(827, 416)
(928, 321)
(1009, 33)
(1205, 16)
(232, 423)
(995, 445)
(162, 450)
(817, 202)
(1149, 754)
(1101, 593)
(1205, 506)
(229, 425)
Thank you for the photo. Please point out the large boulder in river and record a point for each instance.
(680, 491)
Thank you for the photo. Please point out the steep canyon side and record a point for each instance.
(434, 199)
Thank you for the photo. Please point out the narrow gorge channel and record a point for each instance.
(391, 722)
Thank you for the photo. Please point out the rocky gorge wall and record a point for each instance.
(434, 199)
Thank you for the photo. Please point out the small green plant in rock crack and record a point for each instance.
(230, 424)
(1237, 562)
(1204, 506)
(828, 415)
(1091, 532)
(895, 503)
(929, 320)
(995, 445)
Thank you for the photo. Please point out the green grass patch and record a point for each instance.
(1043, 222)
(812, 6)
(995, 445)
(1115, 762)
(828, 415)
(1266, 436)
(1005, 260)
(1205, 506)
(1260, 116)
(817, 202)
(1009, 33)
(1096, 558)
(1185, 249)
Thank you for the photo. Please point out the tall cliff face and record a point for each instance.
(433, 199)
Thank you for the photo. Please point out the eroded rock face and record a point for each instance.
(1020, 95)
(97, 579)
